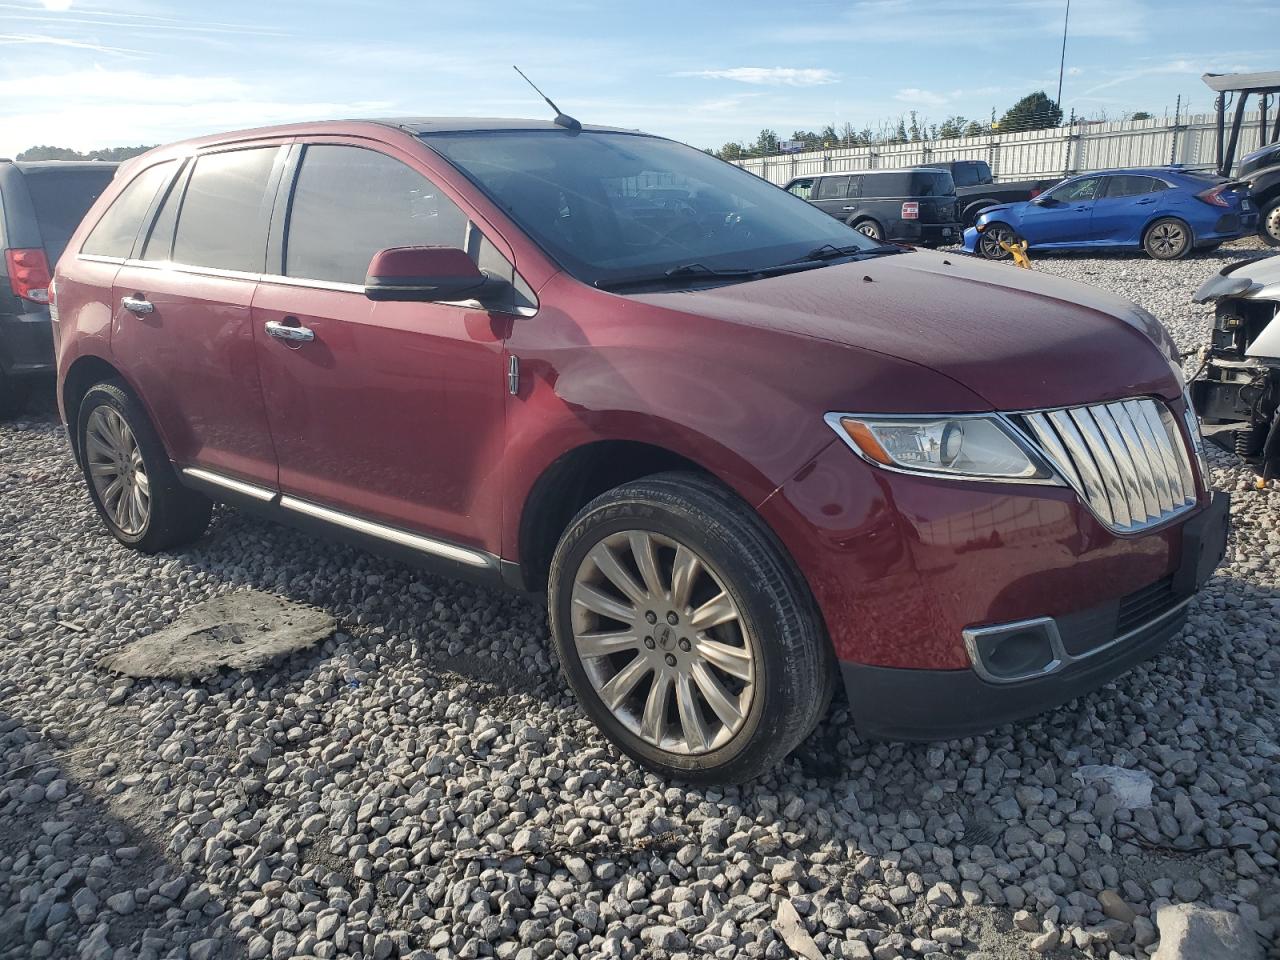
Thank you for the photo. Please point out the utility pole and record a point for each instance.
(1063, 61)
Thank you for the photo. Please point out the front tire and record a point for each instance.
(1168, 239)
(131, 482)
(685, 631)
(1269, 225)
(990, 239)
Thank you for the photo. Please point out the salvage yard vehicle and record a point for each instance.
(748, 453)
(41, 203)
(909, 205)
(1237, 391)
(1165, 211)
(977, 189)
(1261, 171)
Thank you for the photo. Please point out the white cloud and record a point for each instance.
(56, 5)
(769, 76)
(925, 98)
(40, 39)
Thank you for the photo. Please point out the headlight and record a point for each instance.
(1193, 430)
(977, 446)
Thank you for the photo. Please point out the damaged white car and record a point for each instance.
(1237, 389)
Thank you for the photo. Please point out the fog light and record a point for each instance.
(1014, 651)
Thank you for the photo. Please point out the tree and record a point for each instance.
(951, 127)
(1035, 111)
(915, 127)
(66, 153)
(1141, 115)
(731, 151)
(973, 129)
(829, 135)
(766, 142)
(900, 135)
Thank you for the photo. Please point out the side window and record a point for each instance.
(855, 187)
(115, 233)
(1085, 189)
(349, 203)
(832, 188)
(223, 220)
(1158, 185)
(159, 245)
(801, 188)
(1128, 186)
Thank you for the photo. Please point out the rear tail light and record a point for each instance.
(911, 210)
(29, 273)
(1214, 196)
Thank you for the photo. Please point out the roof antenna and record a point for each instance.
(562, 119)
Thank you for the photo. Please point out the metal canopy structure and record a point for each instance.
(1266, 86)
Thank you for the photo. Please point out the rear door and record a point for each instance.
(1125, 204)
(1063, 216)
(388, 411)
(934, 192)
(182, 322)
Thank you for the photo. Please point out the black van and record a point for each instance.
(912, 204)
(41, 204)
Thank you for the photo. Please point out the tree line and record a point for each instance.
(1035, 111)
(66, 153)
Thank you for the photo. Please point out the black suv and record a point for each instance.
(41, 204)
(912, 204)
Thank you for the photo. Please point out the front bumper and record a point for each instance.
(971, 240)
(1091, 647)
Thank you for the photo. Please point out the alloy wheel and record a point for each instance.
(1167, 240)
(662, 642)
(1271, 225)
(115, 466)
(868, 229)
(992, 237)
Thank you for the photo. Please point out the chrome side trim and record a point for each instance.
(1061, 658)
(415, 541)
(99, 258)
(239, 486)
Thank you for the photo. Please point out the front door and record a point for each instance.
(1061, 216)
(391, 412)
(1124, 207)
(183, 313)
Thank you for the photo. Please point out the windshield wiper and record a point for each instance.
(829, 251)
(686, 272)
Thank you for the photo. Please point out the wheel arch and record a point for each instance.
(973, 208)
(1156, 218)
(573, 480)
(84, 372)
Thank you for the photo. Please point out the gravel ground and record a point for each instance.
(422, 784)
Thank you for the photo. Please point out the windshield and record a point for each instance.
(610, 207)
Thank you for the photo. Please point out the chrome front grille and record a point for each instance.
(1127, 459)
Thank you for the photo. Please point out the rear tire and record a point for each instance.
(869, 228)
(1168, 239)
(989, 241)
(13, 395)
(1269, 224)
(662, 554)
(131, 482)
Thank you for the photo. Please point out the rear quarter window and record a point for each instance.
(931, 183)
(115, 233)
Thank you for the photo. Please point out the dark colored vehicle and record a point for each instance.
(41, 203)
(976, 188)
(1237, 391)
(748, 453)
(1166, 212)
(1261, 171)
(911, 204)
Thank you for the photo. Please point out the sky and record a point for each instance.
(92, 73)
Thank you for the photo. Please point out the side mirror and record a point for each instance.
(1044, 200)
(423, 274)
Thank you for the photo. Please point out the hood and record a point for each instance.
(998, 208)
(1259, 159)
(1018, 339)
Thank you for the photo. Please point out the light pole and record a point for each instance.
(1063, 61)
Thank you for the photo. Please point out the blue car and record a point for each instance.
(1166, 211)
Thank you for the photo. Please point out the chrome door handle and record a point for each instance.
(137, 305)
(283, 331)
(848, 208)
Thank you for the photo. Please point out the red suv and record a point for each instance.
(748, 452)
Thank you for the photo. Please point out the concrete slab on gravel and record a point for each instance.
(241, 631)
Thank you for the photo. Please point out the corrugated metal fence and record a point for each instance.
(1057, 152)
